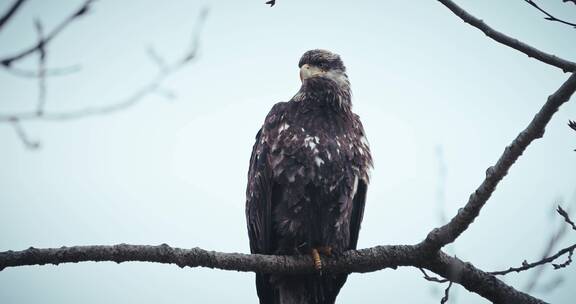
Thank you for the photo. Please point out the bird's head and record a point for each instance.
(322, 63)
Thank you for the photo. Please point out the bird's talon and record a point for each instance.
(317, 260)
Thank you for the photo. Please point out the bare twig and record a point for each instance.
(81, 11)
(566, 217)
(271, 2)
(526, 265)
(446, 234)
(565, 65)
(28, 143)
(572, 124)
(573, 1)
(556, 237)
(48, 72)
(431, 278)
(568, 250)
(41, 69)
(153, 86)
(364, 260)
(10, 12)
(566, 263)
(548, 15)
(446, 294)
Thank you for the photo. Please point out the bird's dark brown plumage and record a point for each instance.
(307, 181)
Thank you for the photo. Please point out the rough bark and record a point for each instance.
(364, 260)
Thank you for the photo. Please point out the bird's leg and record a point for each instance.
(317, 260)
(325, 250)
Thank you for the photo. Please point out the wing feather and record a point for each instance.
(259, 203)
(358, 204)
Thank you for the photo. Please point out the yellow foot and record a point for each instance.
(317, 260)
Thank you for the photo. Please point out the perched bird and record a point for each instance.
(307, 181)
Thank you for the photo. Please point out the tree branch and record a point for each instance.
(10, 12)
(41, 69)
(526, 265)
(566, 217)
(81, 11)
(549, 16)
(23, 136)
(165, 70)
(565, 65)
(446, 293)
(446, 234)
(364, 260)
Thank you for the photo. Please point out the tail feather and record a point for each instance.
(309, 289)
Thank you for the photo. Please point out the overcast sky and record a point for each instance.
(432, 92)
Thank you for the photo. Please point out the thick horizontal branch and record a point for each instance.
(565, 65)
(446, 234)
(364, 260)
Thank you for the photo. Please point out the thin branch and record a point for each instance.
(10, 12)
(446, 294)
(555, 239)
(569, 250)
(364, 260)
(24, 138)
(566, 217)
(565, 65)
(48, 72)
(152, 86)
(81, 11)
(572, 125)
(573, 1)
(549, 16)
(566, 263)
(272, 2)
(41, 69)
(431, 278)
(446, 234)
(526, 265)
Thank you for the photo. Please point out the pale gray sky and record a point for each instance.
(175, 171)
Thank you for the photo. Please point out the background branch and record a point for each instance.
(81, 11)
(165, 70)
(41, 69)
(10, 12)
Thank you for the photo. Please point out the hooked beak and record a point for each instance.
(307, 71)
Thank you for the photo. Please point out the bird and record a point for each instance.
(307, 182)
